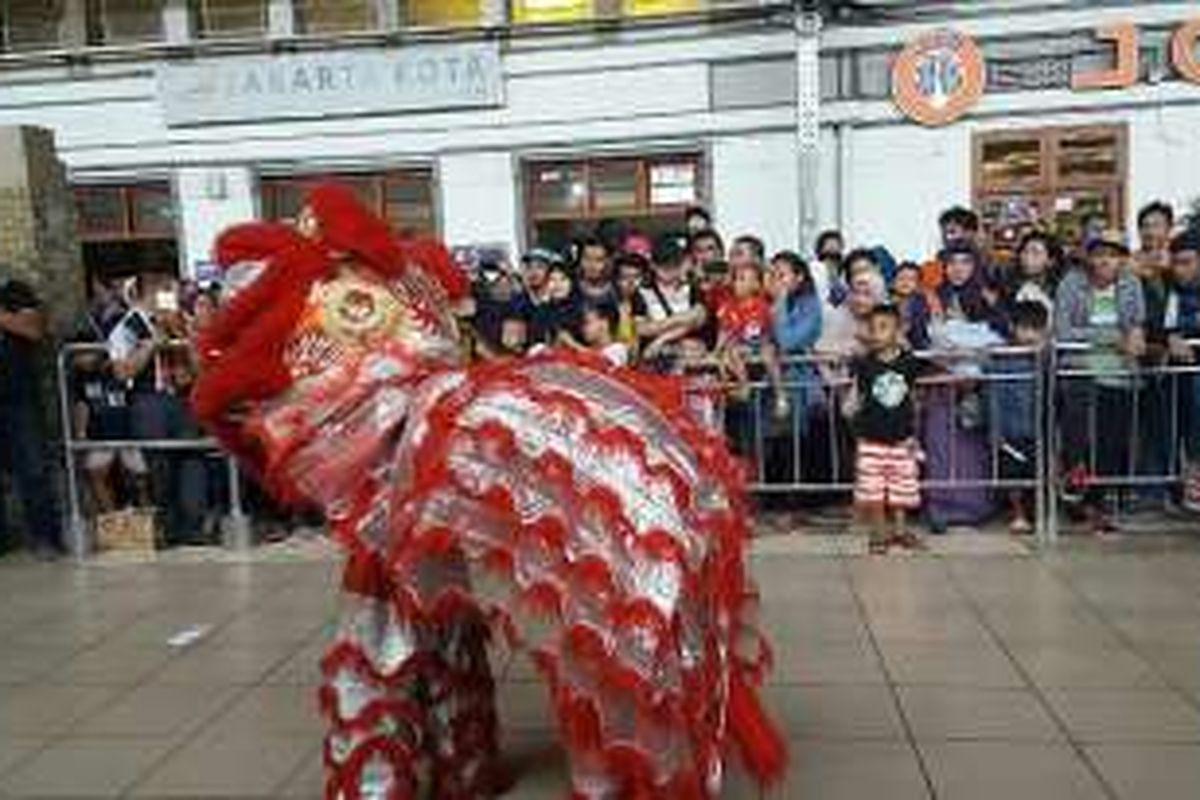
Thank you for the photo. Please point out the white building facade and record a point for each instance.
(501, 123)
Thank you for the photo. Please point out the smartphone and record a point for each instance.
(166, 301)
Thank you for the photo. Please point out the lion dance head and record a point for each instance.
(325, 311)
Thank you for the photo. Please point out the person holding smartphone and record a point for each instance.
(141, 351)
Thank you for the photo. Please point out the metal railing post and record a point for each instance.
(1043, 413)
(78, 539)
(1050, 475)
(237, 525)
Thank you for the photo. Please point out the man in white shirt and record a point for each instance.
(674, 307)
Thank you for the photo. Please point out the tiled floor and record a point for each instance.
(976, 672)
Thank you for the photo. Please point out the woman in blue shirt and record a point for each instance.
(796, 327)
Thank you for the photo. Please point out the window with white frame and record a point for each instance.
(405, 198)
(336, 16)
(565, 198)
(215, 18)
(125, 21)
(30, 24)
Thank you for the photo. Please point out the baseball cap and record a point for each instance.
(541, 254)
(667, 251)
(958, 248)
(638, 243)
(1110, 238)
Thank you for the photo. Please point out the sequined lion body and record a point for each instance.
(571, 509)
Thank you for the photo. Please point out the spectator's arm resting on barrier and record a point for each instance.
(1133, 342)
(663, 341)
(1181, 352)
(565, 338)
(851, 402)
(138, 359)
(770, 356)
(680, 324)
(653, 329)
(79, 419)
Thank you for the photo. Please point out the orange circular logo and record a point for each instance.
(938, 77)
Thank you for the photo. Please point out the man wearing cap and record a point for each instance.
(535, 296)
(1101, 305)
(1105, 295)
(23, 456)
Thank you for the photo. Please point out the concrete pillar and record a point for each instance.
(38, 240)
(755, 187)
(387, 14)
(210, 199)
(493, 13)
(479, 199)
(39, 245)
(72, 28)
(845, 169)
(281, 19)
(176, 22)
(808, 121)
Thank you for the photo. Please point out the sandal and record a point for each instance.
(1020, 527)
(910, 541)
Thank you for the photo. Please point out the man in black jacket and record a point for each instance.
(23, 455)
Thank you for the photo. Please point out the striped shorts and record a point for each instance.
(886, 475)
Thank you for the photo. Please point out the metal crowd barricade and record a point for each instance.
(236, 525)
(817, 385)
(1133, 412)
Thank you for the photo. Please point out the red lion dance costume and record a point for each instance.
(570, 507)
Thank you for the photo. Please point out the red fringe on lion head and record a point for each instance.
(242, 350)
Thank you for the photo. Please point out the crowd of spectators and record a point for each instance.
(777, 335)
(767, 342)
(131, 376)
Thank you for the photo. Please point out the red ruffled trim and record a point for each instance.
(724, 575)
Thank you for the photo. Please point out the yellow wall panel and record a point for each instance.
(646, 8)
(552, 10)
(443, 12)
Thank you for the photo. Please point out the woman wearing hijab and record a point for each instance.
(955, 441)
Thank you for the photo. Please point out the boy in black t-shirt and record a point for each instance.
(887, 474)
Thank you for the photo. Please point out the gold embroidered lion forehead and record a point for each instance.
(355, 313)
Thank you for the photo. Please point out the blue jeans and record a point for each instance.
(1188, 419)
(25, 462)
(178, 479)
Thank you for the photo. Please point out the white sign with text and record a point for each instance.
(321, 84)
